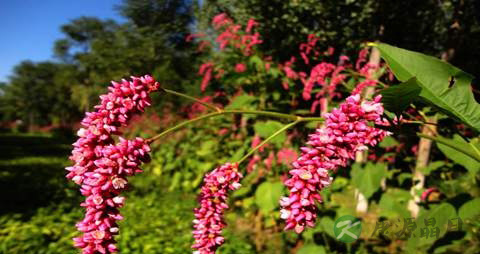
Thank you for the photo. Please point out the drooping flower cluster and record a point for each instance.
(102, 189)
(205, 70)
(231, 36)
(347, 130)
(101, 167)
(209, 220)
(317, 76)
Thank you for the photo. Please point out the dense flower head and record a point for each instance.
(124, 99)
(308, 48)
(220, 20)
(101, 167)
(318, 75)
(206, 70)
(102, 189)
(209, 222)
(232, 34)
(347, 130)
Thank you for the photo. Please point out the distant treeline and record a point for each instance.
(95, 51)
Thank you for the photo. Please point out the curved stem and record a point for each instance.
(180, 125)
(284, 128)
(418, 122)
(266, 113)
(255, 112)
(219, 111)
(224, 112)
(208, 105)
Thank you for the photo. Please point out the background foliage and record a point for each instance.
(42, 103)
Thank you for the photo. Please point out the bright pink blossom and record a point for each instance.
(362, 58)
(101, 167)
(252, 163)
(117, 107)
(317, 76)
(286, 156)
(220, 20)
(256, 141)
(102, 189)
(209, 221)
(250, 25)
(269, 161)
(347, 130)
(240, 67)
(206, 70)
(308, 48)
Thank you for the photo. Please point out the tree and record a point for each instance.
(35, 96)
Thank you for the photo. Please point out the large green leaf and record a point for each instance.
(368, 179)
(242, 102)
(461, 158)
(470, 209)
(397, 98)
(393, 203)
(464, 147)
(311, 249)
(268, 195)
(434, 76)
(441, 213)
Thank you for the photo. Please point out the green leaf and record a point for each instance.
(433, 76)
(442, 213)
(458, 157)
(311, 248)
(397, 98)
(266, 129)
(387, 142)
(404, 176)
(258, 62)
(393, 203)
(367, 180)
(462, 147)
(207, 148)
(242, 102)
(268, 195)
(470, 209)
(238, 154)
(338, 183)
(432, 166)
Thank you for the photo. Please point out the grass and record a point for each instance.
(32, 173)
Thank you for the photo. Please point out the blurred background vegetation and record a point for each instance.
(42, 102)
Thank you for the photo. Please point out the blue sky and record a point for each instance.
(28, 28)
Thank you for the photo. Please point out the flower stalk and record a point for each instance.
(284, 128)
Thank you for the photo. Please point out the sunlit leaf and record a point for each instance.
(443, 85)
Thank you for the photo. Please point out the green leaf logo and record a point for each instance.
(347, 228)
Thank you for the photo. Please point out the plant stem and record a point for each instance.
(220, 111)
(180, 125)
(208, 105)
(225, 112)
(284, 128)
(256, 112)
(418, 122)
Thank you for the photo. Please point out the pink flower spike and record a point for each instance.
(209, 222)
(346, 131)
(101, 168)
